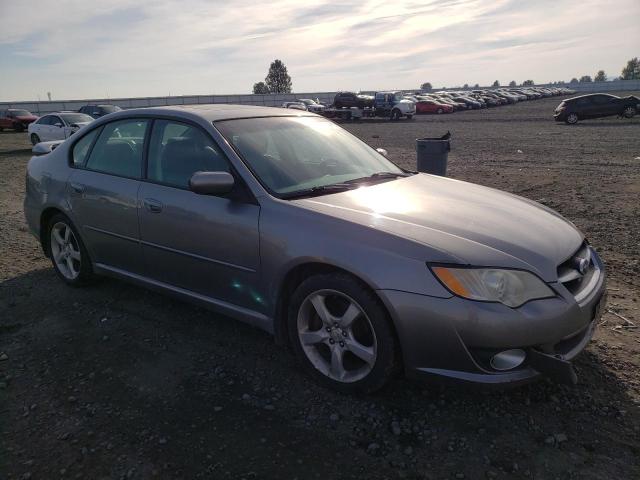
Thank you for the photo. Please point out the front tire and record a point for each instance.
(629, 112)
(395, 114)
(572, 119)
(35, 139)
(68, 254)
(18, 127)
(439, 111)
(341, 334)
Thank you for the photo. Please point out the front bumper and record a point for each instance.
(560, 116)
(455, 338)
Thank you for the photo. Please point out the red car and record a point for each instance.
(16, 119)
(431, 106)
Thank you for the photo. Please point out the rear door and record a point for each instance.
(202, 243)
(605, 105)
(103, 192)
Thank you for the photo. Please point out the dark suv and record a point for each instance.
(97, 111)
(596, 105)
(350, 99)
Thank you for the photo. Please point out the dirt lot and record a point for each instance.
(114, 381)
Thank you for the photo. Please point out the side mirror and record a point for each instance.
(43, 148)
(211, 183)
(382, 152)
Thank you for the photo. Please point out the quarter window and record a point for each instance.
(81, 148)
(178, 150)
(118, 150)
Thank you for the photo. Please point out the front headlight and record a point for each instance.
(509, 287)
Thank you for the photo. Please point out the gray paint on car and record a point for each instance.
(233, 256)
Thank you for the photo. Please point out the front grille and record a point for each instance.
(577, 272)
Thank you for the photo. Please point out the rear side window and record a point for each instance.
(82, 146)
(118, 150)
(602, 99)
(177, 150)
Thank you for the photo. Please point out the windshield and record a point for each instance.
(293, 154)
(76, 117)
(19, 113)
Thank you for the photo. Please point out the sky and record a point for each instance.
(78, 49)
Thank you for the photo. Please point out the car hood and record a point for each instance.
(469, 223)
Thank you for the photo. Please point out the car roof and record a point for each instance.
(590, 95)
(213, 113)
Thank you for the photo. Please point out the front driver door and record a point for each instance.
(201, 243)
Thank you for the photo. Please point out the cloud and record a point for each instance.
(79, 49)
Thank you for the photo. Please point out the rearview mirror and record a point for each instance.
(211, 183)
(382, 152)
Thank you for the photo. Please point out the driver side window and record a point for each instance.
(177, 150)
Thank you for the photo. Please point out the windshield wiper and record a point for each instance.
(378, 175)
(318, 190)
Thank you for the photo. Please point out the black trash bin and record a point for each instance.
(433, 154)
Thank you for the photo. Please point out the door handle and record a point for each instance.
(77, 187)
(153, 205)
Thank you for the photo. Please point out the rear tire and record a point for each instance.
(18, 127)
(35, 139)
(629, 112)
(572, 119)
(341, 335)
(439, 111)
(68, 254)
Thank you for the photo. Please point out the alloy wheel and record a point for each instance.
(65, 250)
(337, 336)
(572, 118)
(629, 112)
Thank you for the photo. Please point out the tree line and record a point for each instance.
(630, 72)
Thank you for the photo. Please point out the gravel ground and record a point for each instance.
(113, 381)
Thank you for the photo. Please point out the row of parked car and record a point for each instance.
(435, 102)
(53, 126)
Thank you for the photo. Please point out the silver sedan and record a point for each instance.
(284, 220)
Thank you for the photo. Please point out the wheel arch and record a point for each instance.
(294, 277)
(46, 215)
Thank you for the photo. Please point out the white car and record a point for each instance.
(57, 126)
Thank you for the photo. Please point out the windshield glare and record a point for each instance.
(291, 154)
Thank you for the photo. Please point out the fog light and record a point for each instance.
(508, 359)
